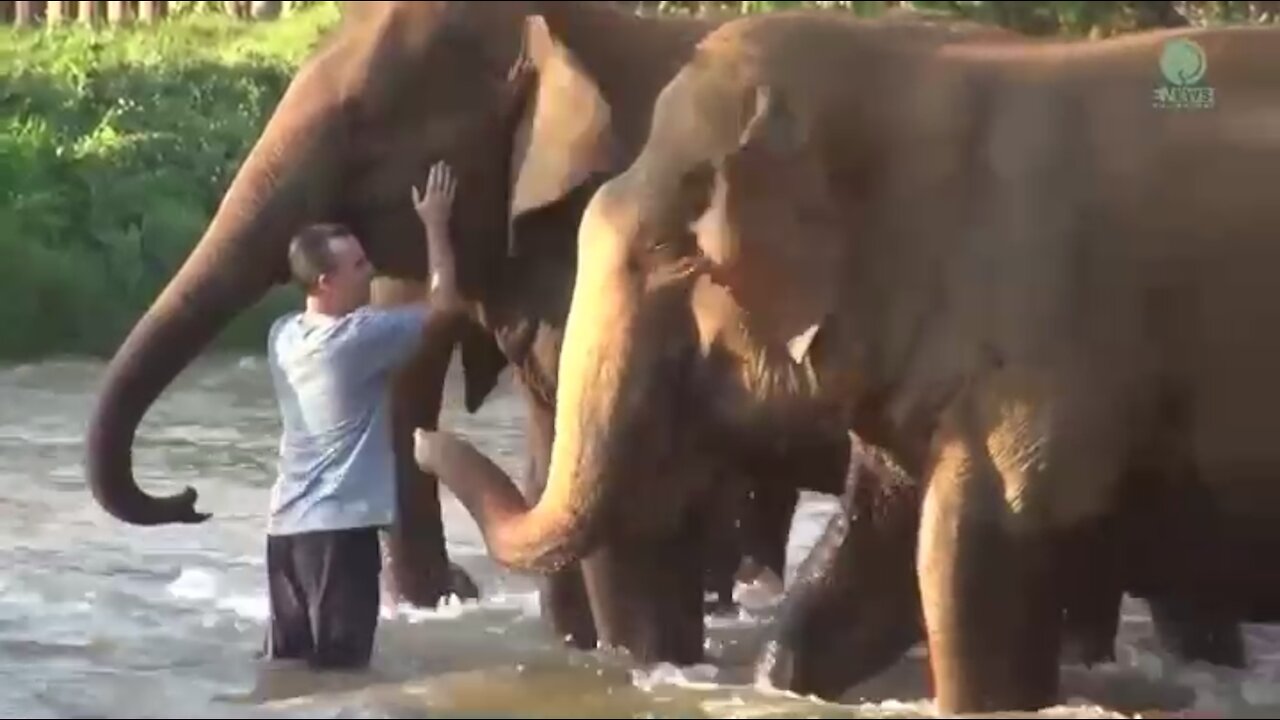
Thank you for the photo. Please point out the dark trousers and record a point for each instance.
(324, 597)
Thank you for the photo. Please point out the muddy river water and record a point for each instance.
(100, 619)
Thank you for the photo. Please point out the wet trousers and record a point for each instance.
(324, 597)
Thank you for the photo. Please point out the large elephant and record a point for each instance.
(1025, 271)
(398, 86)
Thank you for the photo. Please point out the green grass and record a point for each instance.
(115, 149)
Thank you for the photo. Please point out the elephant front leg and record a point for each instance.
(421, 574)
(420, 571)
(647, 597)
(985, 575)
(563, 593)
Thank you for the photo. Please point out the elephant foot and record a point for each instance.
(429, 590)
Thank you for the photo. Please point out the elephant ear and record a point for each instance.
(566, 133)
(772, 224)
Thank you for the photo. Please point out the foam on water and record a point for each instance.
(695, 677)
(453, 608)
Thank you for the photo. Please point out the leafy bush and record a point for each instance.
(115, 148)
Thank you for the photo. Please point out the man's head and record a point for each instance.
(327, 261)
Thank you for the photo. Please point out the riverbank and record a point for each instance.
(115, 149)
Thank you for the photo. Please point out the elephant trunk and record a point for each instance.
(854, 606)
(241, 255)
(598, 404)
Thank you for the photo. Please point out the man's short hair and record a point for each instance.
(311, 252)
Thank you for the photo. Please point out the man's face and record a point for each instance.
(347, 285)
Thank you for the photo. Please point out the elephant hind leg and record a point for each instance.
(771, 507)
(1093, 591)
(993, 623)
(747, 527)
(565, 602)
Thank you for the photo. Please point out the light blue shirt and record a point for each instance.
(331, 377)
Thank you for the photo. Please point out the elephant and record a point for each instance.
(854, 606)
(1083, 298)
(394, 88)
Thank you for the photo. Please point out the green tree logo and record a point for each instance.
(1182, 62)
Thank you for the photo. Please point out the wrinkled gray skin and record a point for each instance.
(1070, 332)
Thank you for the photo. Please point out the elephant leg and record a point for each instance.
(766, 525)
(420, 571)
(722, 543)
(986, 584)
(563, 593)
(815, 461)
(854, 606)
(1090, 623)
(1183, 578)
(647, 597)
(1093, 591)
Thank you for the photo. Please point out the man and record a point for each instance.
(331, 367)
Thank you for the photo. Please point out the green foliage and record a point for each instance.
(187, 8)
(115, 148)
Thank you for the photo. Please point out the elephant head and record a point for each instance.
(736, 278)
(397, 86)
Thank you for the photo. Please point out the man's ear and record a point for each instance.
(566, 133)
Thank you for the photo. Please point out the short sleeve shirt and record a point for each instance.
(331, 378)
